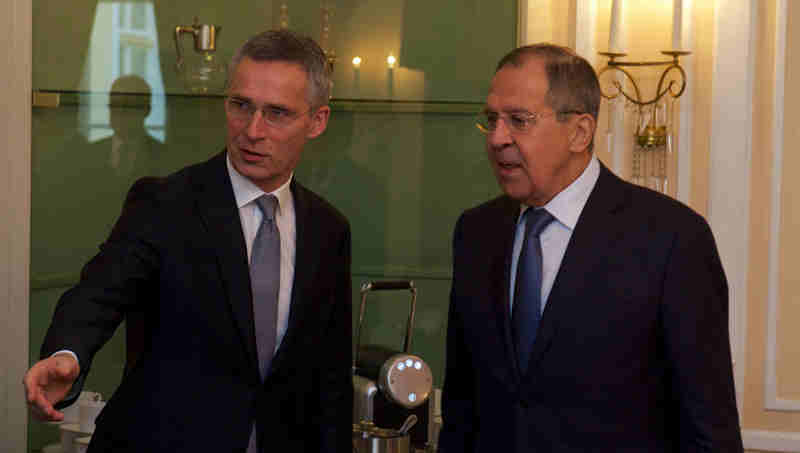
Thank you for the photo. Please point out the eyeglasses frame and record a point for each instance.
(264, 116)
(531, 117)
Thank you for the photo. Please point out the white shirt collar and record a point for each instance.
(567, 205)
(246, 191)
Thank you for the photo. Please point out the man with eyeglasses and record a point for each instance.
(241, 278)
(586, 314)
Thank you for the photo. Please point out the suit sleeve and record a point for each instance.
(458, 411)
(695, 322)
(112, 282)
(336, 384)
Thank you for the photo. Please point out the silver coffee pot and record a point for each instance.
(201, 71)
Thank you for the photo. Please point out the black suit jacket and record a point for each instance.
(178, 255)
(632, 353)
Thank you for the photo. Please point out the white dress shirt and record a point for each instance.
(566, 207)
(246, 193)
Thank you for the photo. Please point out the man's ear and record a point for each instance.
(319, 121)
(583, 133)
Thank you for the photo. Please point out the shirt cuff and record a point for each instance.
(67, 351)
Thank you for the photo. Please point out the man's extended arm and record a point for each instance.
(111, 282)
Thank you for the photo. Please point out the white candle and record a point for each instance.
(677, 24)
(613, 33)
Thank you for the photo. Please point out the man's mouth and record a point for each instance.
(249, 152)
(507, 165)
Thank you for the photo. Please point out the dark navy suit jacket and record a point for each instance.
(178, 256)
(632, 353)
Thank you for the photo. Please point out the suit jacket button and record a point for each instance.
(523, 404)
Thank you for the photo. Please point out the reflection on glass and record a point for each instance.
(130, 151)
(202, 71)
(129, 47)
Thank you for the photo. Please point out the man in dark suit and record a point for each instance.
(586, 313)
(247, 311)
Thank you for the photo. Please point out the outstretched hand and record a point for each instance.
(48, 382)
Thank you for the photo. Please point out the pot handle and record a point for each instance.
(407, 425)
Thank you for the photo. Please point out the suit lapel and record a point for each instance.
(218, 211)
(500, 279)
(592, 233)
(306, 263)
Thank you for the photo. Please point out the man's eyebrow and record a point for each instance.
(276, 106)
(507, 110)
(243, 99)
(267, 106)
(517, 110)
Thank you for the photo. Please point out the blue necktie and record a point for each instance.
(528, 290)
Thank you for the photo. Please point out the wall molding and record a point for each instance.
(771, 399)
(771, 440)
(686, 114)
(522, 22)
(585, 29)
(730, 160)
(15, 196)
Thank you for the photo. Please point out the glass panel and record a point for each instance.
(400, 157)
(445, 52)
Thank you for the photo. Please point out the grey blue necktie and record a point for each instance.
(265, 273)
(265, 277)
(528, 291)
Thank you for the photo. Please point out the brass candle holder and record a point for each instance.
(652, 134)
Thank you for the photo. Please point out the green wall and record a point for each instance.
(401, 157)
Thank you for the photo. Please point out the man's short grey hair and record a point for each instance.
(572, 82)
(287, 46)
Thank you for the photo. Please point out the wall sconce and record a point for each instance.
(357, 62)
(653, 134)
(391, 61)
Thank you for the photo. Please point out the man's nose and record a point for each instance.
(500, 136)
(255, 126)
